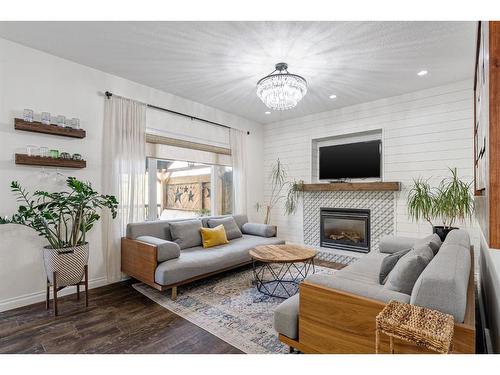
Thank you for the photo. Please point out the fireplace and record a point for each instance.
(345, 229)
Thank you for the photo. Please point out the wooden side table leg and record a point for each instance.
(86, 286)
(377, 341)
(47, 299)
(55, 292)
(391, 344)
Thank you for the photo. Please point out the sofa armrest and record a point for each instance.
(139, 260)
(261, 230)
(393, 244)
(166, 250)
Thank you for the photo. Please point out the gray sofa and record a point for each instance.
(165, 254)
(443, 284)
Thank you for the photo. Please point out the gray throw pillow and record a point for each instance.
(405, 273)
(433, 240)
(256, 229)
(166, 249)
(230, 226)
(186, 233)
(388, 264)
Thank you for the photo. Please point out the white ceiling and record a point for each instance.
(219, 63)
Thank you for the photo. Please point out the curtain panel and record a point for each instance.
(238, 141)
(124, 173)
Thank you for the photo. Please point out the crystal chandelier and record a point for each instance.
(281, 90)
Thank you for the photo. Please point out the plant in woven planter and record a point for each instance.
(63, 219)
(282, 189)
(448, 203)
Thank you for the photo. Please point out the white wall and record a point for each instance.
(423, 133)
(36, 80)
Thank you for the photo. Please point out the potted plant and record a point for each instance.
(450, 202)
(281, 189)
(64, 219)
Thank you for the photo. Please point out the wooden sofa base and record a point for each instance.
(337, 322)
(139, 260)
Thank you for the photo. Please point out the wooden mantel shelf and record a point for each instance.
(353, 186)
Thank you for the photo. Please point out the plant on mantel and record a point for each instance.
(448, 203)
(282, 189)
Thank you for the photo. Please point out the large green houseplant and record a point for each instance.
(282, 189)
(63, 219)
(448, 203)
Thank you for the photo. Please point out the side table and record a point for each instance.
(424, 327)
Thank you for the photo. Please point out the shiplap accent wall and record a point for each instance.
(423, 133)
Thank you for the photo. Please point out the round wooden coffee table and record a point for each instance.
(278, 269)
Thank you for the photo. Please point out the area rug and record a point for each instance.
(230, 307)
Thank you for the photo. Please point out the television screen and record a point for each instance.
(353, 160)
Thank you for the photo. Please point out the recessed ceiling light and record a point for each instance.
(422, 73)
(267, 112)
(333, 96)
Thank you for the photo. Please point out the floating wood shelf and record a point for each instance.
(353, 186)
(38, 127)
(49, 162)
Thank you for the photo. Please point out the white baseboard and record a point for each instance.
(28, 299)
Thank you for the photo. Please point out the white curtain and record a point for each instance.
(238, 154)
(124, 150)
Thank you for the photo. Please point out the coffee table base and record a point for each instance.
(281, 280)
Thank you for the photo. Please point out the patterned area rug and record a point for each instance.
(230, 307)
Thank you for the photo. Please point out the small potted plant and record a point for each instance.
(64, 219)
(450, 202)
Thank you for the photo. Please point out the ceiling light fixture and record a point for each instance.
(333, 96)
(281, 90)
(422, 73)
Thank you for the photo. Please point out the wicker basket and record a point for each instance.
(424, 327)
(68, 263)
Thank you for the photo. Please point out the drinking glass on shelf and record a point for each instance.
(61, 120)
(31, 150)
(54, 154)
(75, 123)
(43, 151)
(28, 115)
(45, 118)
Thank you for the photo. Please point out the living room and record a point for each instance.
(258, 187)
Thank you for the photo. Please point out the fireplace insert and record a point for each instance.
(345, 229)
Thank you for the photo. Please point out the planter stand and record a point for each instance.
(55, 289)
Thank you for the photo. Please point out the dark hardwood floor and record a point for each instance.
(118, 320)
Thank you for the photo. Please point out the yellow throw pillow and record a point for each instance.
(213, 236)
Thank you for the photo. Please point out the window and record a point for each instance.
(181, 189)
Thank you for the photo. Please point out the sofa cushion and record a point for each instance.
(360, 288)
(407, 270)
(166, 249)
(230, 226)
(443, 284)
(211, 237)
(186, 233)
(158, 229)
(432, 240)
(388, 264)
(286, 317)
(239, 218)
(256, 229)
(198, 261)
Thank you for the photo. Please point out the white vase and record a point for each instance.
(68, 263)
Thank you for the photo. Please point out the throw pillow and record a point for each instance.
(433, 240)
(186, 233)
(388, 264)
(407, 270)
(213, 236)
(230, 226)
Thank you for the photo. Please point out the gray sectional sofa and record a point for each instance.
(166, 254)
(443, 285)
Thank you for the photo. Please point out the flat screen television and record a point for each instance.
(352, 160)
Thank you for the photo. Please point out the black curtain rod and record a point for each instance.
(110, 94)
